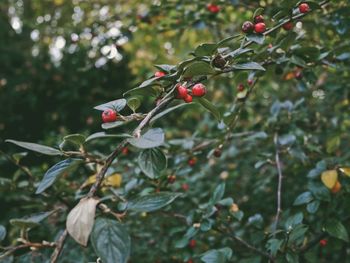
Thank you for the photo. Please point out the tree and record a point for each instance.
(261, 178)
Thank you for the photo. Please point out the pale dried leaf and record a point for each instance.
(80, 220)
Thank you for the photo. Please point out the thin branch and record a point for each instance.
(279, 187)
(59, 246)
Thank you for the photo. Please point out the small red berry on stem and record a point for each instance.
(190, 260)
(217, 153)
(192, 161)
(192, 243)
(185, 187)
(258, 19)
(304, 8)
(240, 87)
(298, 74)
(199, 90)
(323, 242)
(247, 27)
(125, 150)
(188, 98)
(260, 28)
(181, 92)
(213, 8)
(288, 26)
(250, 82)
(159, 74)
(171, 179)
(109, 115)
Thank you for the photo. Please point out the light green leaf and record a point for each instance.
(210, 107)
(217, 255)
(116, 105)
(248, 66)
(152, 162)
(205, 49)
(151, 139)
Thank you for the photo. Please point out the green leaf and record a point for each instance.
(218, 194)
(294, 220)
(31, 220)
(210, 107)
(273, 245)
(197, 69)
(303, 198)
(152, 202)
(2, 233)
(239, 51)
(248, 66)
(55, 171)
(110, 241)
(152, 162)
(151, 139)
(111, 125)
(313, 206)
(298, 234)
(116, 105)
(161, 114)
(298, 61)
(292, 258)
(256, 38)
(165, 67)
(100, 135)
(134, 103)
(336, 229)
(36, 147)
(77, 139)
(217, 255)
(226, 202)
(257, 12)
(226, 40)
(205, 49)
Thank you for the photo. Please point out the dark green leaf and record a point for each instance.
(110, 241)
(210, 107)
(303, 198)
(111, 125)
(151, 139)
(273, 245)
(152, 202)
(294, 220)
(313, 206)
(218, 194)
(206, 49)
(197, 69)
(257, 12)
(217, 255)
(77, 139)
(116, 105)
(31, 220)
(248, 66)
(99, 135)
(134, 103)
(336, 229)
(55, 171)
(256, 38)
(36, 147)
(226, 40)
(152, 162)
(297, 235)
(166, 68)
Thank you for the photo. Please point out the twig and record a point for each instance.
(59, 246)
(279, 187)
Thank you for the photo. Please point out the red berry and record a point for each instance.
(188, 98)
(258, 19)
(240, 87)
(298, 74)
(185, 187)
(212, 8)
(190, 260)
(125, 150)
(260, 27)
(247, 27)
(159, 74)
(217, 153)
(192, 161)
(199, 90)
(304, 8)
(181, 92)
(192, 243)
(323, 242)
(288, 26)
(109, 115)
(250, 82)
(171, 179)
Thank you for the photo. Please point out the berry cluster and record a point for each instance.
(258, 26)
(198, 90)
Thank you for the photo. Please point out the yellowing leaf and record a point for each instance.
(345, 170)
(329, 178)
(114, 180)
